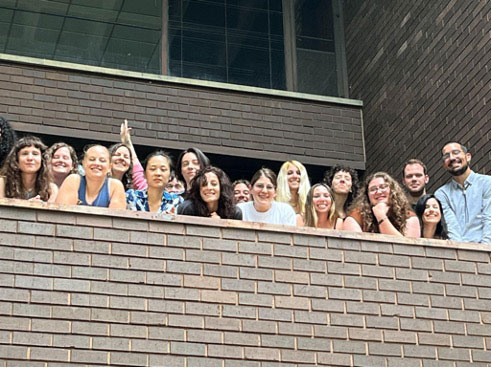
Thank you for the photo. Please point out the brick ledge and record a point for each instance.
(203, 221)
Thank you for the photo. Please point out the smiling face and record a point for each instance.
(415, 179)
(189, 166)
(342, 182)
(120, 160)
(96, 162)
(241, 193)
(432, 212)
(293, 177)
(378, 191)
(263, 192)
(455, 160)
(29, 159)
(210, 189)
(322, 200)
(157, 172)
(61, 161)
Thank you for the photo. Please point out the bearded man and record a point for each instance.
(415, 179)
(466, 198)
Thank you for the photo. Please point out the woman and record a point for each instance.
(7, 139)
(429, 212)
(263, 208)
(155, 198)
(320, 209)
(137, 171)
(121, 164)
(382, 207)
(210, 195)
(189, 163)
(343, 181)
(293, 185)
(96, 188)
(63, 162)
(25, 173)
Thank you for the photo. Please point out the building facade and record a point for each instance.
(423, 71)
(265, 81)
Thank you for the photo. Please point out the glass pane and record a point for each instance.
(315, 47)
(119, 34)
(234, 41)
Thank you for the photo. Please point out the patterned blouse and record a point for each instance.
(138, 200)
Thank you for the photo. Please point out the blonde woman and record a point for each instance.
(293, 185)
(320, 211)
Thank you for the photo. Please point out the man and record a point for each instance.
(415, 179)
(174, 185)
(343, 180)
(466, 198)
(242, 189)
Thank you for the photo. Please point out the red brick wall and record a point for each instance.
(422, 69)
(66, 102)
(122, 289)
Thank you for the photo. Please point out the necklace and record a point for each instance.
(29, 193)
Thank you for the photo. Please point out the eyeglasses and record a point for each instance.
(448, 155)
(382, 188)
(176, 186)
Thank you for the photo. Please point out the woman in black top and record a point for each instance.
(211, 195)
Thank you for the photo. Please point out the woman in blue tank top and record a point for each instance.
(95, 188)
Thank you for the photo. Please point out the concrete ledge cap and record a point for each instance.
(204, 221)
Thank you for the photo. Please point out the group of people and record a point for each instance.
(114, 177)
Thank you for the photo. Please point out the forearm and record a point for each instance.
(139, 181)
(386, 227)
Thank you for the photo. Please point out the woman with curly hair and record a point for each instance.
(95, 188)
(382, 207)
(293, 185)
(320, 209)
(25, 173)
(62, 160)
(7, 139)
(429, 211)
(343, 180)
(210, 195)
(122, 164)
(155, 198)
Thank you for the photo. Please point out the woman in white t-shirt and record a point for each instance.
(263, 208)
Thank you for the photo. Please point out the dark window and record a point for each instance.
(115, 34)
(234, 41)
(294, 45)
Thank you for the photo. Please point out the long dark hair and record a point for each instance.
(7, 139)
(441, 228)
(127, 178)
(328, 180)
(13, 175)
(226, 208)
(202, 159)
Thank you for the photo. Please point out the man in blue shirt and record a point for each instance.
(466, 198)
